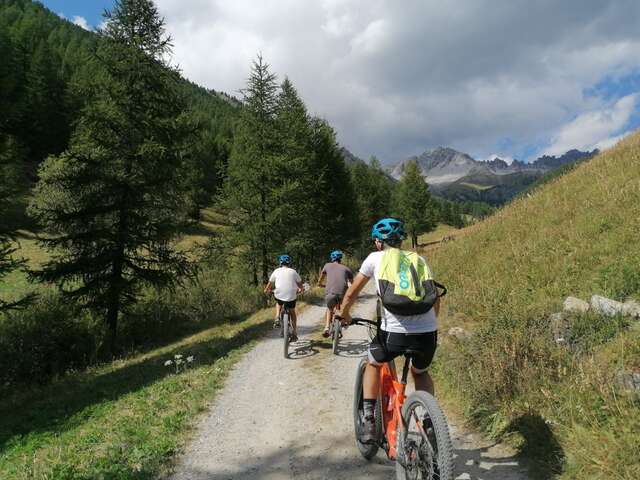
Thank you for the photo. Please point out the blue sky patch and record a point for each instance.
(91, 11)
(612, 88)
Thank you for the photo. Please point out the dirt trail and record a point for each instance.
(291, 418)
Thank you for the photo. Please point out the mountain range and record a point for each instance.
(458, 176)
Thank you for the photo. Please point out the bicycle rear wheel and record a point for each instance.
(337, 327)
(426, 448)
(368, 451)
(286, 323)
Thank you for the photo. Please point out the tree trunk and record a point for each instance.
(414, 241)
(255, 273)
(112, 323)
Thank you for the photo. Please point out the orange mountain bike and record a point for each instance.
(412, 430)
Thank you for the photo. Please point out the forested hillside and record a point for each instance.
(47, 63)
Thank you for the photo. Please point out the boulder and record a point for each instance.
(631, 308)
(629, 380)
(459, 332)
(605, 306)
(575, 305)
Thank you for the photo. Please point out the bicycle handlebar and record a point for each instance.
(359, 321)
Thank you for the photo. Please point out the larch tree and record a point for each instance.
(112, 201)
(413, 203)
(252, 173)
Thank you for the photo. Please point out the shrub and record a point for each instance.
(45, 340)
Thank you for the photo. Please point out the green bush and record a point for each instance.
(45, 340)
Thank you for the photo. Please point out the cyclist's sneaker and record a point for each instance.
(276, 322)
(369, 432)
(326, 333)
(294, 338)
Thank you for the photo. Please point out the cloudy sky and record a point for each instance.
(514, 78)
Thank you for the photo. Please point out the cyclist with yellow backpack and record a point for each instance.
(408, 317)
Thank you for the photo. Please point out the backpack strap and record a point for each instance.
(416, 280)
(441, 287)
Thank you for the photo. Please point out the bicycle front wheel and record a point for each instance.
(336, 335)
(424, 446)
(286, 333)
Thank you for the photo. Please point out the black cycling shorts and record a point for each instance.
(388, 345)
(291, 304)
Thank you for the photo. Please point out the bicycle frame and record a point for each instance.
(392, 395)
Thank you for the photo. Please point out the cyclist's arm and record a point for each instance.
(323, 274)
(352, 294)
(436, 307)
(268, 288)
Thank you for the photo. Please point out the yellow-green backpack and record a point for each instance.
(406, 284)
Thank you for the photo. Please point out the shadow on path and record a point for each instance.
(340, 460)
(540, 445)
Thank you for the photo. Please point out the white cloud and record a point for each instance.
(595, 129)
(396, 78)
(81, 22)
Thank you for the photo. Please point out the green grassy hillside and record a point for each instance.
(578, 235)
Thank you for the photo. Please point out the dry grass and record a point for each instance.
(578, 236)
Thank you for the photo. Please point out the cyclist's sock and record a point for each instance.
(369, 407)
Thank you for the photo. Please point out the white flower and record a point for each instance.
(179, 362)
(190, 358)
(178, 357)
(167, 363)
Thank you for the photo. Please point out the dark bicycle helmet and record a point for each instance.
(284, 259)
(335, 255)
(388, 229)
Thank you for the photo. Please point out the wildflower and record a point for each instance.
(190, 358)
(168, 363)
(177, 357)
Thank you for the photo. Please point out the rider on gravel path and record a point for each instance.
(285, 283)
(397, 333)
(338, 278)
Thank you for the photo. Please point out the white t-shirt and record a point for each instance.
(425, 322)
(285, 280)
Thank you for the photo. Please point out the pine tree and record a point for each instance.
(412, 203)
(373, 194)
(112, 200)
(252, 174)
(333, 210)
(299, 177)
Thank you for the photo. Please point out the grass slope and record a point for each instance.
(124, 420)
(577, 235)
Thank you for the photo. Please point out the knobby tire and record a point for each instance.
(443, 449)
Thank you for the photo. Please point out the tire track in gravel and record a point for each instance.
(280, 418)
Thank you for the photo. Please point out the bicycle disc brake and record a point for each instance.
(416, 459)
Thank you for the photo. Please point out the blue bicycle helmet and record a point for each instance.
(388, 229)
(284, 259)
(335, 255)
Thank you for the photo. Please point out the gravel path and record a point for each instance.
(291, 418)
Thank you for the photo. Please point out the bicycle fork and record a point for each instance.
(402, 427)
